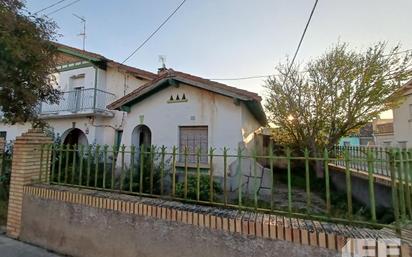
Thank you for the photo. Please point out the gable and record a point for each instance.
(68, 62)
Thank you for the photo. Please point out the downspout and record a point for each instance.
(95, 88)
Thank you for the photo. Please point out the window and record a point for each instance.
(346, 143)
(3, 134)
(402, 144)
(193, 137)
(387, 143)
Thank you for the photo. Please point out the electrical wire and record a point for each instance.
(154, 32)
(50, 6)
(269, 75)
(300, 41)
(63, 7)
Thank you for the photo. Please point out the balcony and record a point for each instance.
(79, 102)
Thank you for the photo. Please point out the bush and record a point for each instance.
(204, 188)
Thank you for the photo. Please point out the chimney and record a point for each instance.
(162, 70)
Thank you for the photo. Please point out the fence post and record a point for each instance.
(25, 169)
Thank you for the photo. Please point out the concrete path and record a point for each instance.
(13, 248)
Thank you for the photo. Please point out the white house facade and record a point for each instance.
(178, 109)
(88, 82)
(397, 133)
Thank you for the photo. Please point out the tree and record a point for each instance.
(27, 62)
(335, 94)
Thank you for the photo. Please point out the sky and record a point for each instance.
(228, 38)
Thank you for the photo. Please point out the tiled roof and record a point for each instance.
(169, 73)
(110, 63)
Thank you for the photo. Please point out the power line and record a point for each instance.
(50, 6)
(294, 56)
(154, 32)
(269, 75)
(63, 7)
(301, 40)
(245, 78)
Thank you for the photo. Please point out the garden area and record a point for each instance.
(292, 189)
(5, 170)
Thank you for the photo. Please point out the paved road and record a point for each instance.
(14, 248)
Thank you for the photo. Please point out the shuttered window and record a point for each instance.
(193, 137)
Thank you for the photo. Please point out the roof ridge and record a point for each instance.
(141, 72)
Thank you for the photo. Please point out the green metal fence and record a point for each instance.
(359, 157)
(233, 179)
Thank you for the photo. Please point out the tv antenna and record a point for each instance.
(162, 59)
(82, 34)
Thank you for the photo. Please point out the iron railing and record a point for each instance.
(89, 100)
(234, 179)
(359, 156)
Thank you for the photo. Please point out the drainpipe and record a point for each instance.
(95, 89)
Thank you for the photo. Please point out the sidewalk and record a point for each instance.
(13, 248)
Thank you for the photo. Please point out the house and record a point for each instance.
(397, 132)
(402, 119)
(179, 109)
(89, 82)
(362, 138)
(383, 132)
(108, 103)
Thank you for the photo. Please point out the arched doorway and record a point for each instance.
(141, 136)
(74, 136)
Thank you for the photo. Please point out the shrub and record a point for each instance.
(204, 188)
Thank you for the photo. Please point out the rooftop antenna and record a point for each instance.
(83, 34)
(162, 59)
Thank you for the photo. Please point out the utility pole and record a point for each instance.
(83, 34)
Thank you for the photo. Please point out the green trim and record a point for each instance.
(74, 66)
(125, 108)
(176, 101)
(257, 111)
(118, 139)
(80, 55)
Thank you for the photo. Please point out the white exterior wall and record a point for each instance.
(249, 126)
(63, 79)
(402, 123)
(100, 130)
(225, 120)
(381, 139)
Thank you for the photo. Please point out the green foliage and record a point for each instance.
(5, 171)
(3, 211)
(204, 188)
(339, 92)
(27, 60)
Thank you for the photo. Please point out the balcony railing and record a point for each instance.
(80, 101)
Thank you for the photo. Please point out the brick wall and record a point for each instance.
(25, 170)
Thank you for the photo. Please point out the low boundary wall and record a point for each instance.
(88, 223)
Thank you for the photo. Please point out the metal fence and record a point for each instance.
(156, 172)
(80, 100)
(359, 156)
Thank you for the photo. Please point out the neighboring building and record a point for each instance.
(364, 137)
(397, 132)
(89, 82)
(178, 109)
(402, 119)
(383, 132)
